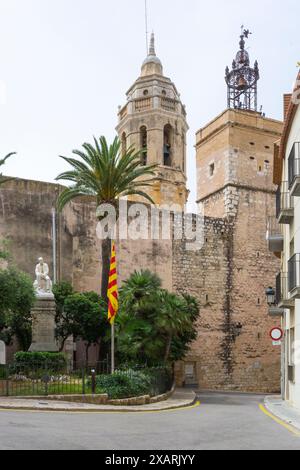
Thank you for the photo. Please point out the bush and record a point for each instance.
(2, 372)
(123, 384)
(134, 383)
(33, 361)
(161, 380)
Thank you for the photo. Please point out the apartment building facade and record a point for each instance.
(284, 241)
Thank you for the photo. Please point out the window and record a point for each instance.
(146, 93)
(143, 144)
(168, 139)
(211, 169)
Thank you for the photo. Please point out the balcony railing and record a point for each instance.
(169, 104)
(284, 204)
(143, 104)
(294, 277)
(283, 299)
(294, 170)
(274, 235)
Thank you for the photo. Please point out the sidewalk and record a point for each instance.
(180, 399)
(283, 410)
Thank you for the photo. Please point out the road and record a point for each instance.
(221, 422)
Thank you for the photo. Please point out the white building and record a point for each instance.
(287, 177)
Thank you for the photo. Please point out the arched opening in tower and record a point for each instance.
(168, 135)
(124, 143)
(143, 144)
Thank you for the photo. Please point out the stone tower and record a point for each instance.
(234, 181)
(154, 121)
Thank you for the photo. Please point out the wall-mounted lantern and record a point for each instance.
(270, 294)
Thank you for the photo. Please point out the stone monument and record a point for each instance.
(43, 312)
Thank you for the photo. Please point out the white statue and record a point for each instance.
(43, 283)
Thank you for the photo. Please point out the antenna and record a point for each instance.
(146, 24)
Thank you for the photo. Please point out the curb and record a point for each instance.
(107, 409)
(280, 415)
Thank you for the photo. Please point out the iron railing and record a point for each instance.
(294, 163)
(278, 291)
(294, 272)
(273, 227)
(31, 379)
(282, 288)
(284, 200)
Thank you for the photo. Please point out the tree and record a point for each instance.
(61, 291)
(181, 342)
(108, 174)
(2, 178)
(84, 317)
(4, 252)
(136, 330)
(154, 325)
(16, 301)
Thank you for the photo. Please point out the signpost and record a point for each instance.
(276, 335)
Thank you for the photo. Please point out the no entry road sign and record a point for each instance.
(276, 334)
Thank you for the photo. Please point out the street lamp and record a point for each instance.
(270, 294)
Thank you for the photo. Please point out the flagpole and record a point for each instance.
(113, 347)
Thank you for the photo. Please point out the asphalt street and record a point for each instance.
(221, 422)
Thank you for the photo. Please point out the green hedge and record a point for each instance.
(32, 361)
(134, 383)
(2, 372)
(122, 385)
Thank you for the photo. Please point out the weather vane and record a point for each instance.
(245, 32)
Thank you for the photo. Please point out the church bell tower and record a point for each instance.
(154, 121)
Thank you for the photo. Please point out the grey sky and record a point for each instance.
(67, 64)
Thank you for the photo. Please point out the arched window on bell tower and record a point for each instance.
(143, 144)
(168, 139)
(124, 143)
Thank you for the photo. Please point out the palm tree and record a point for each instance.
(154, 325)
(108, 174)
(2, 179)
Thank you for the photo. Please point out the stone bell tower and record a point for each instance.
(154, 121)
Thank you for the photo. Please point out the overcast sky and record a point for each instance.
(65, 66)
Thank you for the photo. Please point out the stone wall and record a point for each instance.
(203, 274)
(228, 276)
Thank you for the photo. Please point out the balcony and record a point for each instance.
(294, 277)
(274, 236)
(283, 299)
(294, 170)
(284, 204)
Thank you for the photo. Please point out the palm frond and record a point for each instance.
(102, 170)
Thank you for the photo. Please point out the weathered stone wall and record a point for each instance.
(203, 274)
(229, 276)
(26, 222)
(240, 189)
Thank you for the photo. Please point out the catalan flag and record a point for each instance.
(112, 292)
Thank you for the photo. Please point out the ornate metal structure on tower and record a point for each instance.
(242, 79)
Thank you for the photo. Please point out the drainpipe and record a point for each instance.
(54, 247)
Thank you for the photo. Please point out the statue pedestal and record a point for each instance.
(43, 324)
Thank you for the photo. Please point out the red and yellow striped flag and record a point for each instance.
(112, 292)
